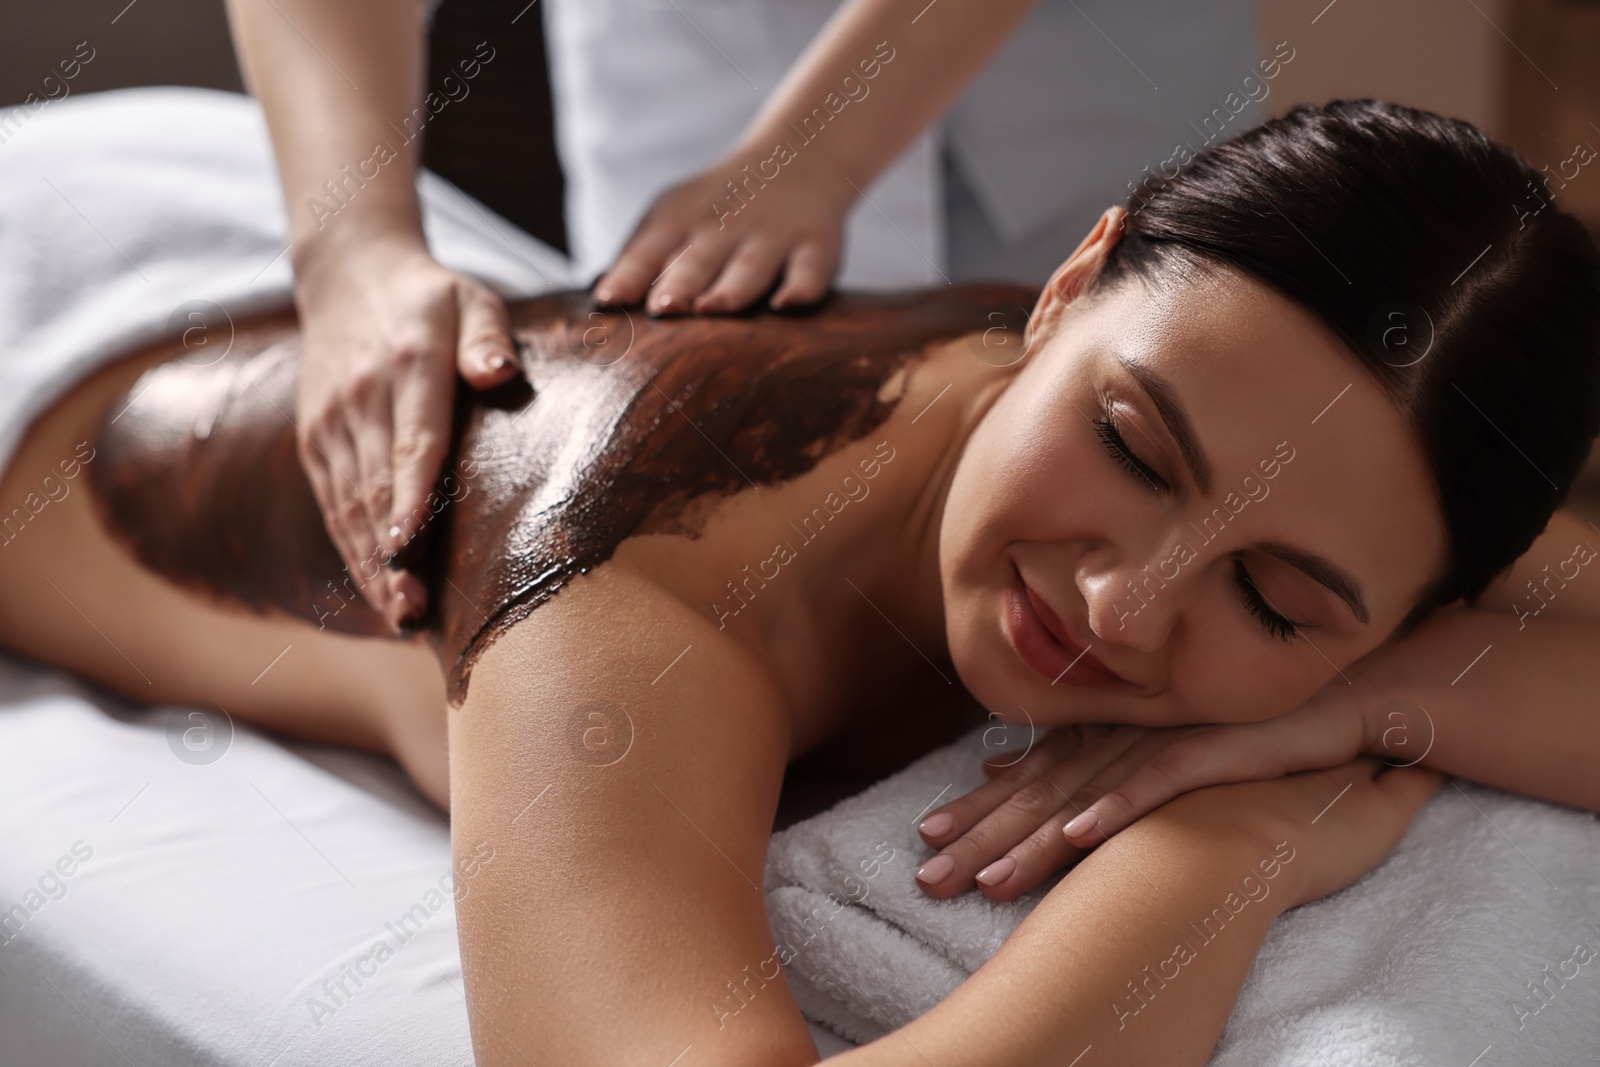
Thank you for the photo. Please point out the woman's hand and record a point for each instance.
(386, 330)
(703, 247)
(1082, 784)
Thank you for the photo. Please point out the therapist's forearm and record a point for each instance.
(1083, 969)
(331, 78)
(935, 49)
(1509, 704)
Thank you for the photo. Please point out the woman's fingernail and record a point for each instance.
(937, 825)
(936, 869)
(1081, 825)
(497, 361)
(395, 531)
(998, 871)
(603, 295)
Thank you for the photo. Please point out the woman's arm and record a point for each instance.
(626, 797)
(386, 327)
(1137, 956)
(1502, 693)
(1506, 693)
(614, 773)
(874, 78)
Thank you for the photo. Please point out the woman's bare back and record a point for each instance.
(619, 427)
(623, 428)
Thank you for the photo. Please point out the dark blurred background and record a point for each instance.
(1525, 71)
(499, 148)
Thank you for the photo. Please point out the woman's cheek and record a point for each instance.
(1217, 679)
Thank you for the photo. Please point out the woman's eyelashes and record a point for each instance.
(1112, 438)
(1272, 622)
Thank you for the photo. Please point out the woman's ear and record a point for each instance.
(1073, 276)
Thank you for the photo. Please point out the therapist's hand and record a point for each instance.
(702, 248)
(386, 330)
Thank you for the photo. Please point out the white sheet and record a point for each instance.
(213, 911)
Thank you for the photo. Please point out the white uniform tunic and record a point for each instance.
(1077, 102)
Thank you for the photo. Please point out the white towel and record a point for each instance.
(1477, 941)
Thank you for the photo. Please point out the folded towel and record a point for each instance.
(1476, 942)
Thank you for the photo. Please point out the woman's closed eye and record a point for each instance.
(1274, 623)
(1271, 621)
(1112, 438)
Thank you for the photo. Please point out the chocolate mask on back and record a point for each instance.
(616, 425)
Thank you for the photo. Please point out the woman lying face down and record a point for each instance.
(1204, 477)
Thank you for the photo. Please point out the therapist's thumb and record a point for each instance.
(483, 345)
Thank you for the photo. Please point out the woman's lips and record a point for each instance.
(1042, 643)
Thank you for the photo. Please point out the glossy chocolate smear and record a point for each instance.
(620, 425)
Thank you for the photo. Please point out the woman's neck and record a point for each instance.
(894, 561)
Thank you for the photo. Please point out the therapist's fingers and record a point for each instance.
(329, 457)
(422, 406)
(647, 252)
(483, 342)
(687, 276)
(748, 273)
(809, 271)
(372, 436)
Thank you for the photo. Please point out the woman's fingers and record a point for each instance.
(1048, 849)
(1179, 766)
(1020, 813)
(1157, 767)
(948, 822)
(747, 274)
(483, 342)
(1029, 862)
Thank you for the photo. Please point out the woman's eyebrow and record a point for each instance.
(1176, 417)
(1324, 572)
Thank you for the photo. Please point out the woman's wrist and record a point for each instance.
(1379, 694)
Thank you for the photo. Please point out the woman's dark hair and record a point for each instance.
(1435, 255)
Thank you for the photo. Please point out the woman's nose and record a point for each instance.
(1132, 605)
